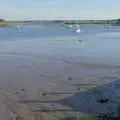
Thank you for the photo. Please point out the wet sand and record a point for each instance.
(27, 78)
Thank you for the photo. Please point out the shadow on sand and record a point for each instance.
(104, 99)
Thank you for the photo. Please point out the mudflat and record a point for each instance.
(68, 73)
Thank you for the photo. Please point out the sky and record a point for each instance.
(59, 9)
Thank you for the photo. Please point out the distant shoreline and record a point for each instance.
(4, 23)
(70, 21)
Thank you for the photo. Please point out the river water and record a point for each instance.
(53, 57)
(98, 44)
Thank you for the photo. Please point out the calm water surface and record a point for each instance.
(99, 44)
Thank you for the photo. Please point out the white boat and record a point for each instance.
(78, 30)
(75, 28)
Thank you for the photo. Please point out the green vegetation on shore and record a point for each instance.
(112, 22)
(85, 22)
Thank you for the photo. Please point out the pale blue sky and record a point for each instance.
(59, 9)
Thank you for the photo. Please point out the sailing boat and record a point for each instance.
(77, 28)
